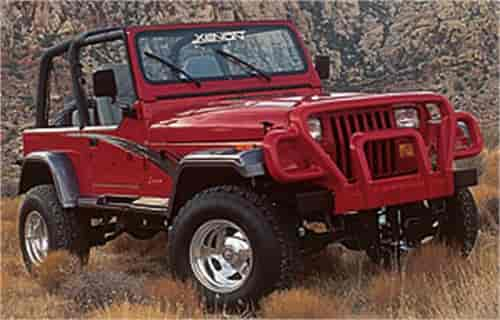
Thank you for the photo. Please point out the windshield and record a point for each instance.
(220, 53)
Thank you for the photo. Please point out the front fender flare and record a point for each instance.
(62, 173)
(246, 164)
(249, 163)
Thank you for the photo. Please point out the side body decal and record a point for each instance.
(167, 162)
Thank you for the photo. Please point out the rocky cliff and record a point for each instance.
(444, 46)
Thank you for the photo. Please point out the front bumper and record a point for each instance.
(312, 163)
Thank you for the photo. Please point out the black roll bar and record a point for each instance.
(43, 78)
(72, 47)
(74, 62)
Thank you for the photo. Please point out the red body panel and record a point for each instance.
(213, 119)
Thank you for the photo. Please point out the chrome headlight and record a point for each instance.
(315, 129)
(406, 118)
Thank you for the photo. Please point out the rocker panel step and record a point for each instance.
(140, 205)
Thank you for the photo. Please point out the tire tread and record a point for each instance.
(288, 244)
(66, 229)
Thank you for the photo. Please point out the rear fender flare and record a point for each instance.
(62, 175)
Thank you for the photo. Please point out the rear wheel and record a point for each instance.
(233, 244)
(45, 226)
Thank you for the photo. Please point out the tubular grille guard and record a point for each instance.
(368, 192)
(380, 154)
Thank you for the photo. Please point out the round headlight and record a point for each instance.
(315, 129)
(406, 118)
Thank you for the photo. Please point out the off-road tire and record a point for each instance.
(64, 231)
(274, 244)
(460, 227)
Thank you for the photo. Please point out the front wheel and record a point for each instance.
(460, 226)
(232, 243)
(457, 227)
(45, 226)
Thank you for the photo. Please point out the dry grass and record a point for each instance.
(487, 193)
(132, 311)
(167, 299)
(175, 297)
(56, 269)
(300, 303)
(91, 290)
(129, 279)
(434, 284)
(8, 209)
(24, 298)
(8, 236)
(487, 199)
(10, 243)
(127, 244)
(437, 284)
(490, 173)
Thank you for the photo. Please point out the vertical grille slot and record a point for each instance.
(380, 154)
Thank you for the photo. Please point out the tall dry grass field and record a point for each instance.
(130, 279)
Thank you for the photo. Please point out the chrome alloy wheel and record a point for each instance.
(221, 256)
(36, 237)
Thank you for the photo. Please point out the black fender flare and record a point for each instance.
(246, 164)
(62, 173)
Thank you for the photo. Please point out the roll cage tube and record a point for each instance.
(43, 78)
(100, 35)
(85, 39)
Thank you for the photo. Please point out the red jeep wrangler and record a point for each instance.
(221, 135)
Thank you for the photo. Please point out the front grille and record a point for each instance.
(380, 154)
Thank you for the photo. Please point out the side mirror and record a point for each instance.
(322, 64)
(105, 84)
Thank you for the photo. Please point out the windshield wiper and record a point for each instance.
(242, 62)
(174, 68)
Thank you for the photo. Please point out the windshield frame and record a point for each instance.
(216, 28)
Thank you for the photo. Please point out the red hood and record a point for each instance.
(233, 120)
